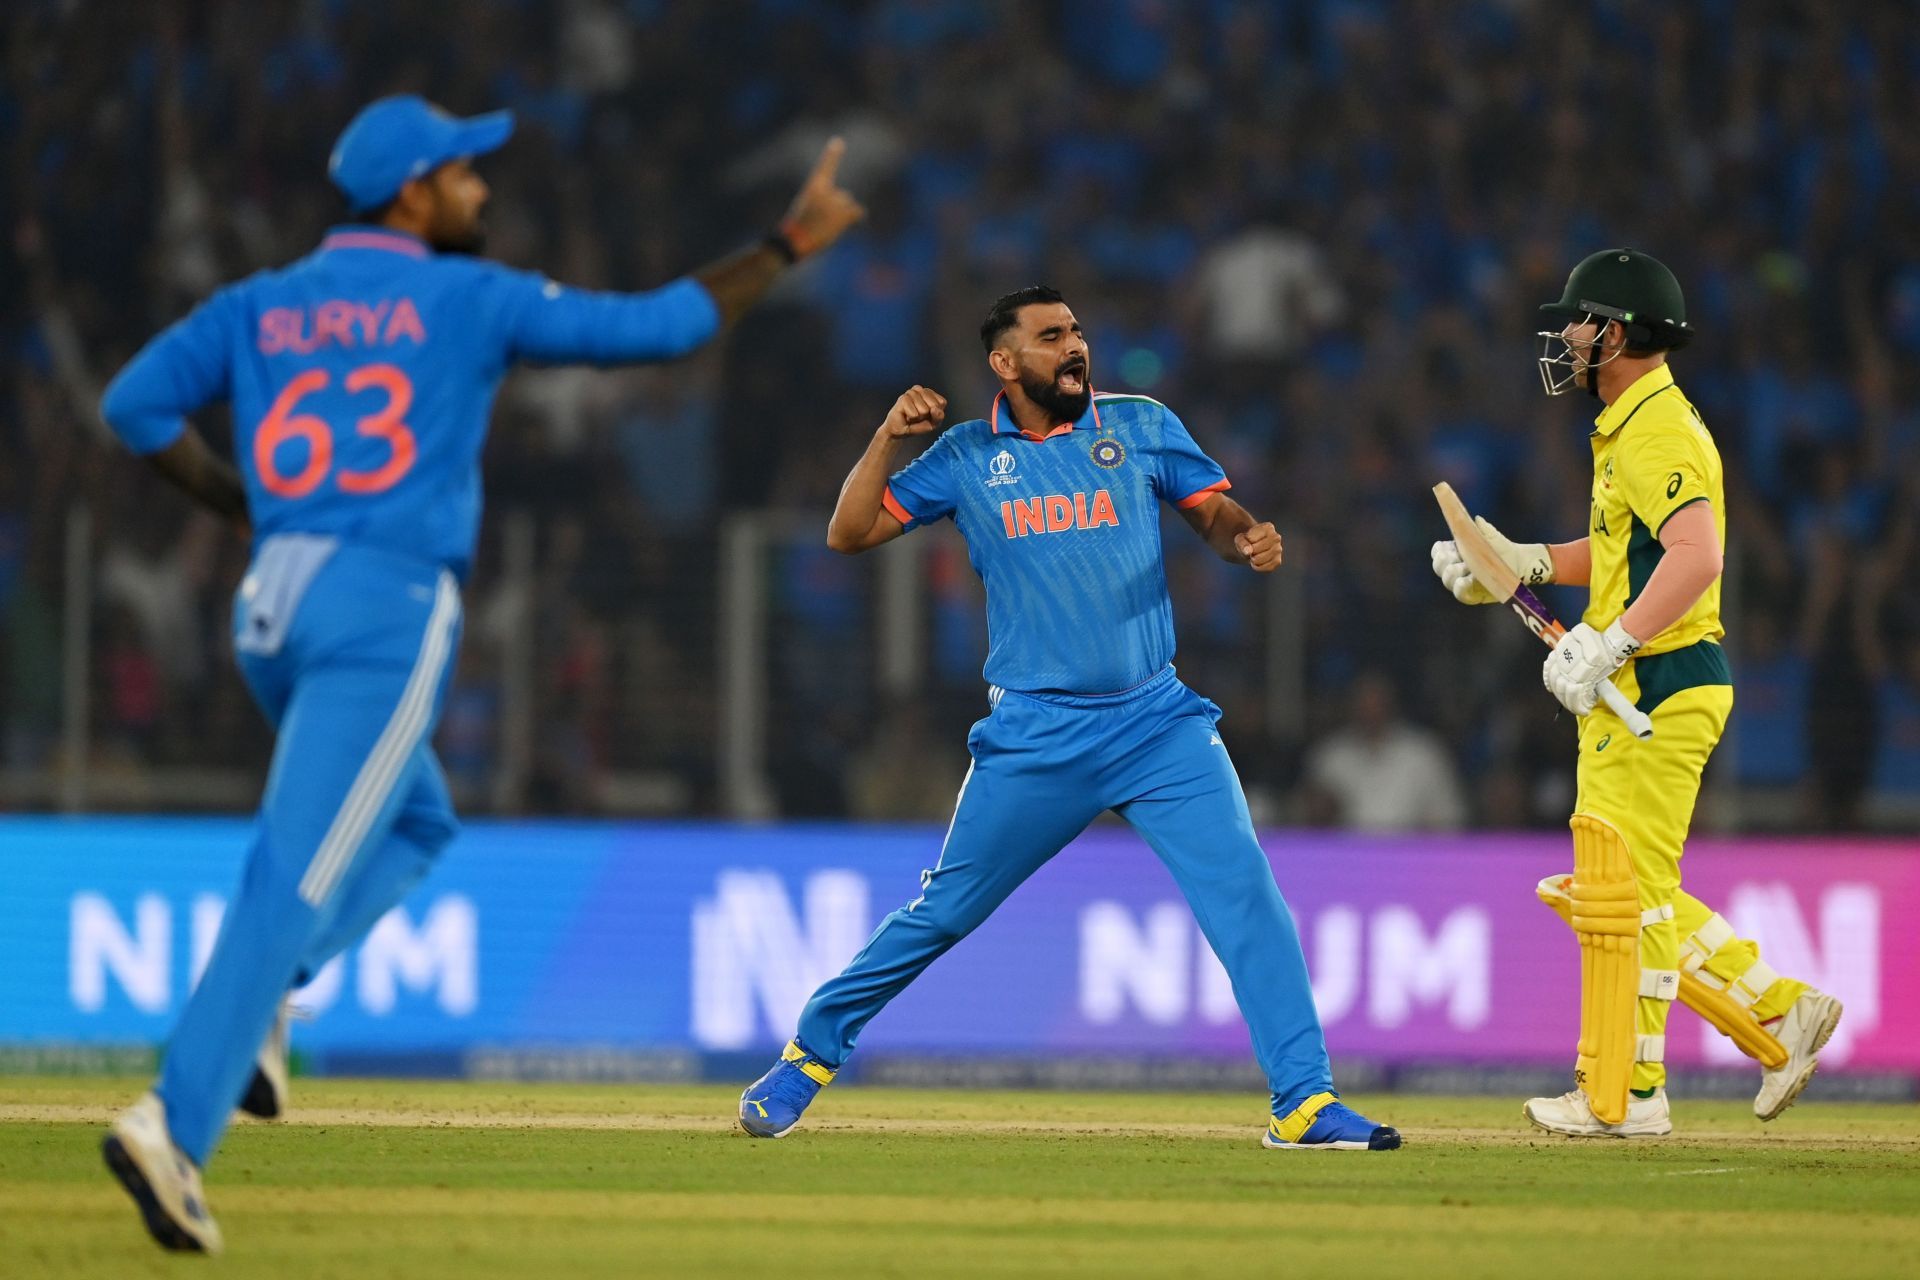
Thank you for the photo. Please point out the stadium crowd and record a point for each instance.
(1318, 230)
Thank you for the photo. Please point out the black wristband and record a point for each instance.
(777, 241)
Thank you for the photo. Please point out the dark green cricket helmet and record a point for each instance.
(1632, 287)
(1626, 285)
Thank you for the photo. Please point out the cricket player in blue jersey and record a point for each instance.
(361, 378)
(1057, 493)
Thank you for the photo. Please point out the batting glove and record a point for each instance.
(1530, 560)
(1583, 658)
(1456, 577)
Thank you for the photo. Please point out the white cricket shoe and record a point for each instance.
(1804, 1032)
(1571, 1114)
(162, 1181)
(266, 1095)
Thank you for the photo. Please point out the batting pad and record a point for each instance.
(1722, 1008)
(1728, 1005)
(1606, 917)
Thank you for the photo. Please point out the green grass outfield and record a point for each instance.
(371, 1179)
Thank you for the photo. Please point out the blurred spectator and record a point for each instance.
(900, 773)
(1318, 230)
(132, 700)
(1772, 686)
(667, 432)
(1887, 631)
(875, 286)
(1379, 773)
(1896, 772)
(1264, 293)
(1841, 717)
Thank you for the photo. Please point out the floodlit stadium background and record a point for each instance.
(1318, 230)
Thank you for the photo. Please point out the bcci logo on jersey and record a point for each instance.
(1001, 465)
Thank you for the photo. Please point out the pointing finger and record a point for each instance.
(828, 166)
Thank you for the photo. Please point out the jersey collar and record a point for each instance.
(383, 239)
(1091, 416)
(1648, 385)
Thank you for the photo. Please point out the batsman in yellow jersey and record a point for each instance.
(1652, 562)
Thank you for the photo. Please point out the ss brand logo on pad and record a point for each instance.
(1001, 465)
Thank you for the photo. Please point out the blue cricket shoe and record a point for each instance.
(1324, 1123)
(773, 1104)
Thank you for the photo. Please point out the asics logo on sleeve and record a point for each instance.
(1058, 513)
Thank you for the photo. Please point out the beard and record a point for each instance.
(1064, 406)
(470, 239)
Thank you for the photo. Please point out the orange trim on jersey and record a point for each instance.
(1195, 499)
(893, 507)
(1060, 430)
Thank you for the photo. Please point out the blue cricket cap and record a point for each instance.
(397, 139)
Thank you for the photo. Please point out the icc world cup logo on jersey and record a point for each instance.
(1108, 452)
(1000, 468)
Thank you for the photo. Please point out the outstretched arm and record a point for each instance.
(861, 520)
(820, 214)
(1234, 535)
(547, 322)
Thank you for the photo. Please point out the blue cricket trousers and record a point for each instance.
(348, 651)
(1044, 766)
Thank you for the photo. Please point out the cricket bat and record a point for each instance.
(1493, 573)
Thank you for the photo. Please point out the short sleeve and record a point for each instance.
(923, 491)
(184, 369)
(1662, 468)
(1187, 475)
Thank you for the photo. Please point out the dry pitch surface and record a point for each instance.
(371, 1179)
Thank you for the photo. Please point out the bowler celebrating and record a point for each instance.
(361, 379)
(1057, 494)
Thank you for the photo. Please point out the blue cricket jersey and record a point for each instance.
(1065, 533)
(362, 377)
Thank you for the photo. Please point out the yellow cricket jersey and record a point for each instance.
(1651, 457)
